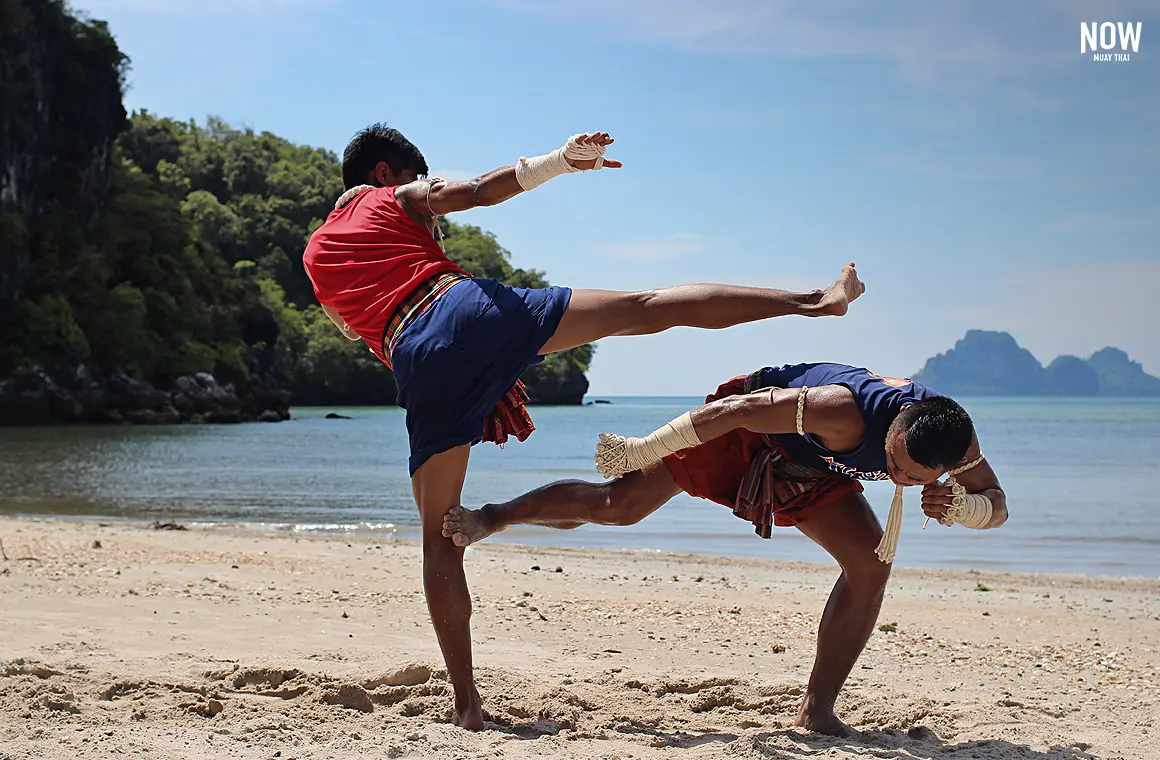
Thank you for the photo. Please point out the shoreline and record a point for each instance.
(409, 534)
(226, 643)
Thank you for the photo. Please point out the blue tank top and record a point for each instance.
(880, 399)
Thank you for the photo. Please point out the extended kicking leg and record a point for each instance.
(596, 314)
(567, 504)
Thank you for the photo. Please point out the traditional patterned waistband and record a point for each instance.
(417, 301)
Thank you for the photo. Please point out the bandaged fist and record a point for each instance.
(595, 140)
(935, 500)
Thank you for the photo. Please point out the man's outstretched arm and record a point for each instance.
(426, 199)
(775, 411)
(824, 411)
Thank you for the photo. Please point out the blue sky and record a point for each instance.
(980, 170)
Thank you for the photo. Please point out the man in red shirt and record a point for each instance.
(458, 344)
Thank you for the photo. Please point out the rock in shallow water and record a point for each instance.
(33, 397)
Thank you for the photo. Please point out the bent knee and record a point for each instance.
(868, 575)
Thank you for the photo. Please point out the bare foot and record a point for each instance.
(825, 722)
(466, 526)
(469, 713)
(835, 300)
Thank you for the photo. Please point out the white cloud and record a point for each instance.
(667, 248)
(923, 39)
(918, 36)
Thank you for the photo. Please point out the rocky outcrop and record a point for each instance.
(32, 397)
(1120, 376)
(1072, 376)
(547, 390)
(560, 379)
(987, 363)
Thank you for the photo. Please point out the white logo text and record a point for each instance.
(1098, 37)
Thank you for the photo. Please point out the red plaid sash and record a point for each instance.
(777, 487)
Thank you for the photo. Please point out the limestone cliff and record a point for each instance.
(1120, 376)
(985, 363)
(60, 113)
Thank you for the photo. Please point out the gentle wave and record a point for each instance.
(343, 527)
(339, 528)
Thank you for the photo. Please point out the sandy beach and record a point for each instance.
(119, 640)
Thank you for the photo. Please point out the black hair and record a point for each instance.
(376, 143)
(937, 432)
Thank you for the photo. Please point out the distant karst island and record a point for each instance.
(987, 363)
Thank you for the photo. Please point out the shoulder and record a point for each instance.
(386, 193)
(834, 414)
(833, 404)
(413, 199)
(923, 391)
(399, 202)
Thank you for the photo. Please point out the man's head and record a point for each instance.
(926, 439)
(379, 155)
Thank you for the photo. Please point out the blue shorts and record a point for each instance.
(459, 358)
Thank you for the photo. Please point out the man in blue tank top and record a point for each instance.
(787, 446)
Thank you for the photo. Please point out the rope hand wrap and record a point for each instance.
(350, 195)
(535, 171)
(969, 509)
(617, 455)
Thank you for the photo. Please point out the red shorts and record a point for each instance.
(717, 469)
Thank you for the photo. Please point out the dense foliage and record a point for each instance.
(191, 258)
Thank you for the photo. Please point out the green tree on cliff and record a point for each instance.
(165, 247)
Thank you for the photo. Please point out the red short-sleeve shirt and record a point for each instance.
(367, 257)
